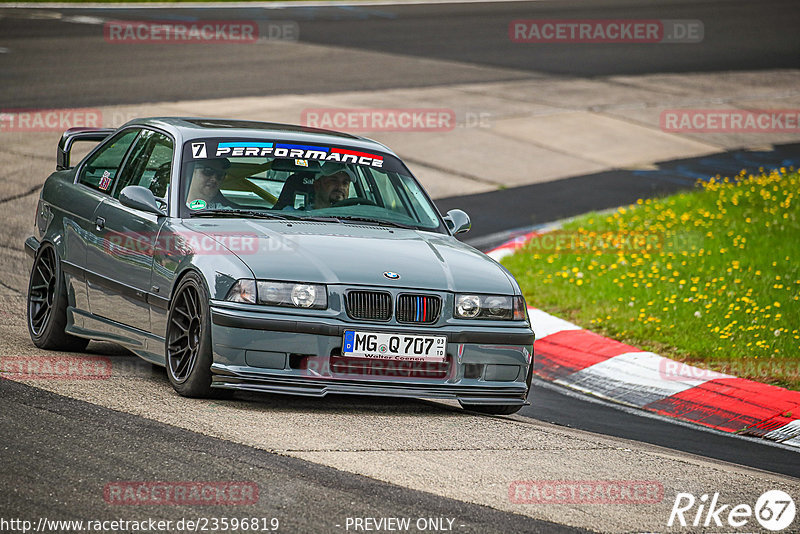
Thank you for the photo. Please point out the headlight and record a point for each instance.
(304, 296)
(294, 295)
(497, 307)
(243, 291)
(468, 306)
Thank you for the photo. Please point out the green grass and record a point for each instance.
(710, 277)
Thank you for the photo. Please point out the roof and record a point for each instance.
(199, 127)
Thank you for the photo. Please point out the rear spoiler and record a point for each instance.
(77, 134)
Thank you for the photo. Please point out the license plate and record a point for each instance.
(381, 346)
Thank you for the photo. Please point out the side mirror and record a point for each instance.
(457, 221)
(140, 198)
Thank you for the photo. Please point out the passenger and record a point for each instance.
(207, 178)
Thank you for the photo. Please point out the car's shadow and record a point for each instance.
(339, 404)
(126, 364)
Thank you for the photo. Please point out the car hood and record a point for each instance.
(350, 254)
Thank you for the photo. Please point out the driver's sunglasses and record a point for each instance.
(211, 171)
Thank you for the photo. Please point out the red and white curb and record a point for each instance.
(512, 245)
(576, 358)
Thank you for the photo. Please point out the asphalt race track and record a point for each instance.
(552, 404)
(51, 443)
(69, 67)
(318, 462)
(541, 203)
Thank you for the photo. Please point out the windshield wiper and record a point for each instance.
(282, 216)
(380, 222)
(240, 213)
(320, 219)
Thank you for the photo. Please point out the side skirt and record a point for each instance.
(147, 346)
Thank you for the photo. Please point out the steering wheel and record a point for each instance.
(354, 201)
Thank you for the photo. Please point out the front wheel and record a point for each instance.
(47, 304)
(188, 343)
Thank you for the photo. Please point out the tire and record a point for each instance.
(188, 343)
(47, 302)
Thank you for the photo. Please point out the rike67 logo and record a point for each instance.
(774, 510)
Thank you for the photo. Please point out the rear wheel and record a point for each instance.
(188, 342)
(47, 304)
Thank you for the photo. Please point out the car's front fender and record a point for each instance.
(179, 250)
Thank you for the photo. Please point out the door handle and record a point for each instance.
(100, 223)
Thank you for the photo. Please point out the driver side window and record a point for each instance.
(101, 168)
(148, 165)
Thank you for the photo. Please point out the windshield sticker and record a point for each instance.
(199, 150)
(293, 151)
(105, 181)
(198, 204)
(301, 162)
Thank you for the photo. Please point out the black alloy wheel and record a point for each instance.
(47, 304)
(188, 341)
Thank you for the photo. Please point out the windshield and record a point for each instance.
(297, 181)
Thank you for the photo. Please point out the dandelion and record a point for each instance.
(708, 258)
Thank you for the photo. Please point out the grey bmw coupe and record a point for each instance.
(266, 257)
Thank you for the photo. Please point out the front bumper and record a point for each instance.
(302, 356)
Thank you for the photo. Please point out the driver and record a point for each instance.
(332, 185)
(207, 178)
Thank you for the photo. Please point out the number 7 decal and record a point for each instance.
(199, 150)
